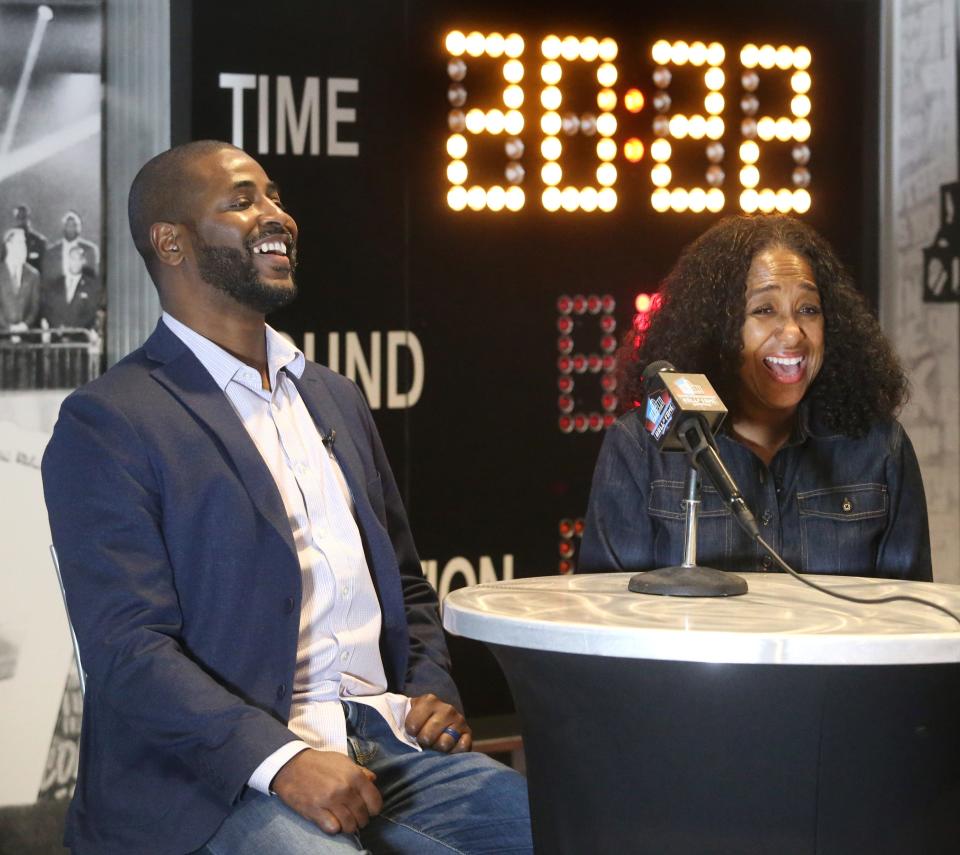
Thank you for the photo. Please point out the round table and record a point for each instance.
(782, 721)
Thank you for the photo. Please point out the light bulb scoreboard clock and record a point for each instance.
(575, 135)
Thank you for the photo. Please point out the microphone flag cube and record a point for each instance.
(670, 397)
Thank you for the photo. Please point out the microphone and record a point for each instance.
(682, 413)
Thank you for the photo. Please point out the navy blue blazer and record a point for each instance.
(184, 588)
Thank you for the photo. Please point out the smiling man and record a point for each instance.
(266, 671)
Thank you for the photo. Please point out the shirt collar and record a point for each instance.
(224, 366)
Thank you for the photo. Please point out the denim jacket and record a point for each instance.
(827, 503)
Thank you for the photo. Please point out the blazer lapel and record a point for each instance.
(187, 380)
(327, 415)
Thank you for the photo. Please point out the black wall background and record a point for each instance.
(483, 466)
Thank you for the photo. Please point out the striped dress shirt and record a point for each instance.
(338, 649)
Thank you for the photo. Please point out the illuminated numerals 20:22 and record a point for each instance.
(669, 128)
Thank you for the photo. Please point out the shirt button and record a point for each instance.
(765, 518)
(281, 691)
(847, 504)
(345, 591)
(288, 605)
(344, 656)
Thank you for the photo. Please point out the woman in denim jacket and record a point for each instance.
(763, 307)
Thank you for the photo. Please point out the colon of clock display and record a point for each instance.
(531, 114)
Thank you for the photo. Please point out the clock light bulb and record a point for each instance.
(606, 124)
(551, 148)
(607, 74)
(496, 198)
(551, 98)
(551, 199)
(660, 175)
(607, 50)
(551, 173)
(570, 48)
(660, 150)
(679, 200)
(550, 47)
(660, 52)
(606, 99)
(513, 122)
(513, 97)
(551, 73)
(515, 198)
(606, 149)
(749, 201)
(589, 199)
(784, 57)
(476, 198)
(607, 199)
(476, 121)
(570, 199)
(679, 53)
(714, 78)
(632, 150)
(550, 123)
(475, 43)
(457, 198)
(513, 45)
(606, 174)
(513, 71)
(455, 43)
(495, 45)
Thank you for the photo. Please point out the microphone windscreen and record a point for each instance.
(654, 368)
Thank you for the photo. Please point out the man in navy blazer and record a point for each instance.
(187, 584)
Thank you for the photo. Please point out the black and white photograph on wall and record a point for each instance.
(52, 299)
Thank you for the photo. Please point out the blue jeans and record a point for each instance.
(432, 803)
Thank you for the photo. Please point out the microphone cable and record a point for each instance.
(864, 600)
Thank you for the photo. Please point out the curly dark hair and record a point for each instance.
(700, 322)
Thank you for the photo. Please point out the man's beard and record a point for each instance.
(233, 272)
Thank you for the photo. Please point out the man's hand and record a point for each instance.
(427, 719)
(329, 789)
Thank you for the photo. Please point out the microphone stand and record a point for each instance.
(688, 579)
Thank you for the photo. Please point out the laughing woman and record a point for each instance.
(763, 307)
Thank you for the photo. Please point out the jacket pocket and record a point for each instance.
(841, 528)
(666, 509)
